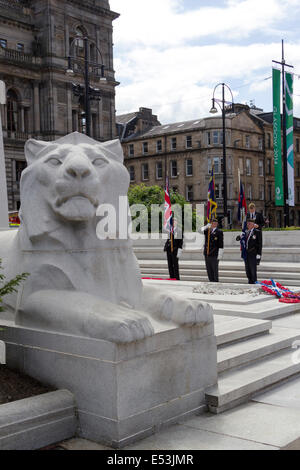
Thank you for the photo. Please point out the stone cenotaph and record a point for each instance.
(135, 357)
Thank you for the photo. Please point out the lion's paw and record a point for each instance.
(185, 312)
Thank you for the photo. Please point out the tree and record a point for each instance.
(8, 287)
(154, 195)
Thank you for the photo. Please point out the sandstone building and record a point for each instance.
(186, 151)
(35, 40)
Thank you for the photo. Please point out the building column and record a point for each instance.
(36, 108)
(69, 110)
(101, 127)
(22, 119)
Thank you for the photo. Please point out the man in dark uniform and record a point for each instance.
(253, 248)
(257, 216)
(213, 249)
(173, 247)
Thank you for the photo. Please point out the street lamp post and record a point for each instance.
(86, 91)
(214, 111)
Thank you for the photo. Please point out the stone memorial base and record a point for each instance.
(123, 392)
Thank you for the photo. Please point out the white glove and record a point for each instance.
(258, 257)
(179, 253)
(205, 228)
(221, 253)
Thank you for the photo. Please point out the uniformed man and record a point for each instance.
(257, 216)
(213, 249)
(253, 248)
(173, 248)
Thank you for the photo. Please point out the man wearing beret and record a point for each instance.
(253, 248)
(213, 249)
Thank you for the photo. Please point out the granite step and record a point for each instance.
(235, 355)
(232, 329)
(239, 385)
(223, 279)
(201, 271)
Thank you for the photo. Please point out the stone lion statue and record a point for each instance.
(79, 284)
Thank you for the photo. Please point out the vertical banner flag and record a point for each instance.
(211, 198)
(290, 136)
(279, 196)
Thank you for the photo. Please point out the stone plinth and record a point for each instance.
(123, 392)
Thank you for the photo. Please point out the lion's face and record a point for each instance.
(72, 176)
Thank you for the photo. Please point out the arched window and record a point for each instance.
(79, 44)
(12, 111)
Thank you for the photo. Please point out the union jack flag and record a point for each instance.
(168, 218)
(211, 198)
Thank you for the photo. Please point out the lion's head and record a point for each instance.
(67, 179)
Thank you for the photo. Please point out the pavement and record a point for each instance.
(270, 421)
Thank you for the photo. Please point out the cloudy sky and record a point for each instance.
(169, 54)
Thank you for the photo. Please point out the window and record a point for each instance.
(3, 43)
(208, 166)
(219, 188)
(249, 191)
(189, 167)
(173, 143)
(215, 137)
(159, 171)
(269, 141)
(298, 169)
(12, 111)
(297, 146)
(247, 141)
(260, 143)
(189, 142)
(230, 165)
(208, 138)
(79, 44)
(241, 165)
(131, 173)
(261, 192)
(298, 193)
(189, 193)
(270, 192)
(145, 148)
(230, 192)
(269, 166)
(131, 150)
(20, 47)
(218, 164)
(159, 146)
(174, 172)
(145, 171)
(20, 166)
(248, 167)
(260, 168)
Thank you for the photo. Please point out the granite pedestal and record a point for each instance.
(123, 392)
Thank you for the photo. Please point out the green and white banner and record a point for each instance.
(279, 195)
(290, 136)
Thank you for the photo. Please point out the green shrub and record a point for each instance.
(8, 287)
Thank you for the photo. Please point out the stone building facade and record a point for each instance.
(36, 37)
(186, 151)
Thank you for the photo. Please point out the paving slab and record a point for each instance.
(290, 321)
(286, 395)
(185, 437)
(257, 422)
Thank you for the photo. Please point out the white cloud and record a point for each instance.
(162, 62)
